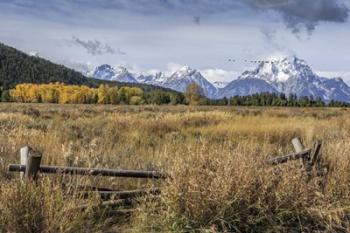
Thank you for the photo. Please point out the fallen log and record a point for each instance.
(123, 194)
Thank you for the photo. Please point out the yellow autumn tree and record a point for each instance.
(112, 95)
(26, 93)
(49, 93)
(102, 92)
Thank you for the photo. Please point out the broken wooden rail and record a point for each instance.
(123, 194)
(87, 171)
(286, 158)
(309, 157)
(30, 166)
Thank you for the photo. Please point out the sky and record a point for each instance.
(147, 36)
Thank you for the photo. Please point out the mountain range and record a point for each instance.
(289, 75)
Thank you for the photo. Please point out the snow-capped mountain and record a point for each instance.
(219, 84)
(185, 76)
(178, 81)
(290, 76)
(121, 74)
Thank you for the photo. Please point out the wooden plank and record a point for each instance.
(94, 188)
(110, 204)
(124, 194)
(92, 171)
(286, 158)
(113, 203)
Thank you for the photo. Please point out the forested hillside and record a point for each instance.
(18, 67)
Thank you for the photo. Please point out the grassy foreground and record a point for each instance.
(215, 156)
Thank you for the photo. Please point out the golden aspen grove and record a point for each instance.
(73, 94)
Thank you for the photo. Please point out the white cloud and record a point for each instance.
(85, 67)
(172, 68)
(220, 75)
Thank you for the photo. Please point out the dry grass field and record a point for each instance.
(214, 155)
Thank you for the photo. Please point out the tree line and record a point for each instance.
(273, 99)
(74, 94)
(104, 94)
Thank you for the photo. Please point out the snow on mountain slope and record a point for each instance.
(293, 76)
(219, 84)
(279, 71)
(177, 81)
(248, 86)
(336, 89)
(150, 79)
(185, 76)
(104, 72)
(121, 74)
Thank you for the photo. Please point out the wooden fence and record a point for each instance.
(30, 166)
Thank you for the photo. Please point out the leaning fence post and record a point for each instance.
(298, 147)
(31, 160)
(316, 152)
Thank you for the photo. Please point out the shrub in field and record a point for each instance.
(45, 207)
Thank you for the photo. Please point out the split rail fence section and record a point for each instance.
(311, 158)
(30, 166)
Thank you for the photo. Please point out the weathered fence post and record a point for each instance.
(31, 160)
(298, 147)
(24, 158)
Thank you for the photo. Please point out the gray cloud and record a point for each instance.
(95, 47)
(306, 13)
(121, 52)
(197, 20)
(296, 14)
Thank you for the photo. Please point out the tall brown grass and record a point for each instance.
(215, 156)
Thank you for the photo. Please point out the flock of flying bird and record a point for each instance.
(247, 61)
